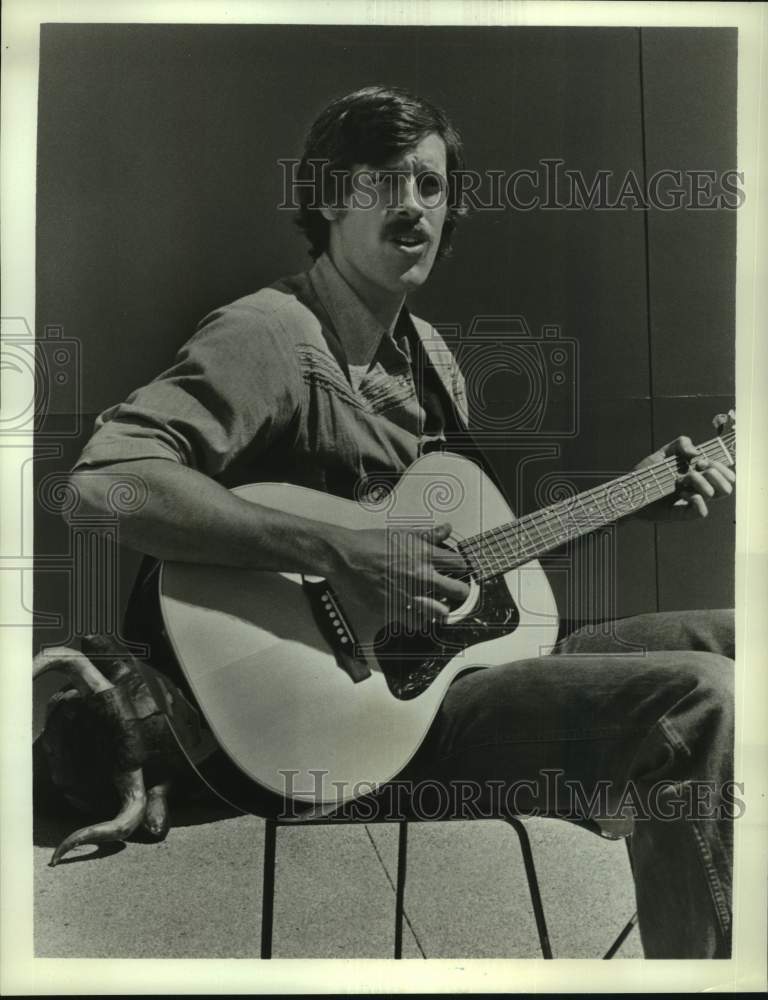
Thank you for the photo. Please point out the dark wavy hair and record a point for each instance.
(371, 125)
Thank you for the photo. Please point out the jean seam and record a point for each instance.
(704, 852)
(672, 736)
(713, 880)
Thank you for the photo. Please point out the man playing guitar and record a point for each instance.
(325, 380)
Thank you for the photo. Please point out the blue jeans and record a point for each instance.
(634, 716)
(633, 719)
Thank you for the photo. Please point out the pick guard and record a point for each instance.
(410, 661)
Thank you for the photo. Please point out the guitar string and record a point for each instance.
(548, 513)
(542, 520)
(581, 520)
(548, 522)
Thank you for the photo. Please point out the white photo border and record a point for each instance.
(21, 973)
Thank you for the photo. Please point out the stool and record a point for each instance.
(268, 892)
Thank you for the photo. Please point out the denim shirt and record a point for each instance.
(295, 383)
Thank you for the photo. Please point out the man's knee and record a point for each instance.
(704, 718)
(708, 630)
(709, 673)
(711, 630)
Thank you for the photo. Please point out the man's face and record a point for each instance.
(385, 240)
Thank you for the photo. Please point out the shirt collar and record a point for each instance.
(355, 325)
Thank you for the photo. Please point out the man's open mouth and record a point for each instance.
(410, 240)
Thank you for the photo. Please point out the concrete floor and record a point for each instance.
(198, 894)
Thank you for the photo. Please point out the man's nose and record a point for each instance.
(408, 201)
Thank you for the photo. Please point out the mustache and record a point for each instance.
(398, 229)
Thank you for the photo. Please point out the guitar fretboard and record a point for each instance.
(511, 545)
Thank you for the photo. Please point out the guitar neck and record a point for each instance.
(511, 545)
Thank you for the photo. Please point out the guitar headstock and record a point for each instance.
(725, 425)
(724, 422)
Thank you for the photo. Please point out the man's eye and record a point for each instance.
(431, 185)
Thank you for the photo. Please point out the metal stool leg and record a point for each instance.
(622, 936)
(402, 856)
(268, 890)
(533, 885)
(632, 922)
(268, 887)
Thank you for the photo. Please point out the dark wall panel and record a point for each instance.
(690, 122)
(690, 116)
(544, 94)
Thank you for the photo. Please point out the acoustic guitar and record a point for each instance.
(319, 698)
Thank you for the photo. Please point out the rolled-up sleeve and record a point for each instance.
(234, 385)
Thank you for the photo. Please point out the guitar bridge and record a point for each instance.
(334, 627)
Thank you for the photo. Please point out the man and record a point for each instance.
(312, 381)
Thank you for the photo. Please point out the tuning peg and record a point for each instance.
(724, 421)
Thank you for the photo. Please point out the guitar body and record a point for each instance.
(318, 697)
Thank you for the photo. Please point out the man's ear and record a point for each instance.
(330, 214)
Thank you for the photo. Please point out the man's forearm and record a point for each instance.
(191, 518)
